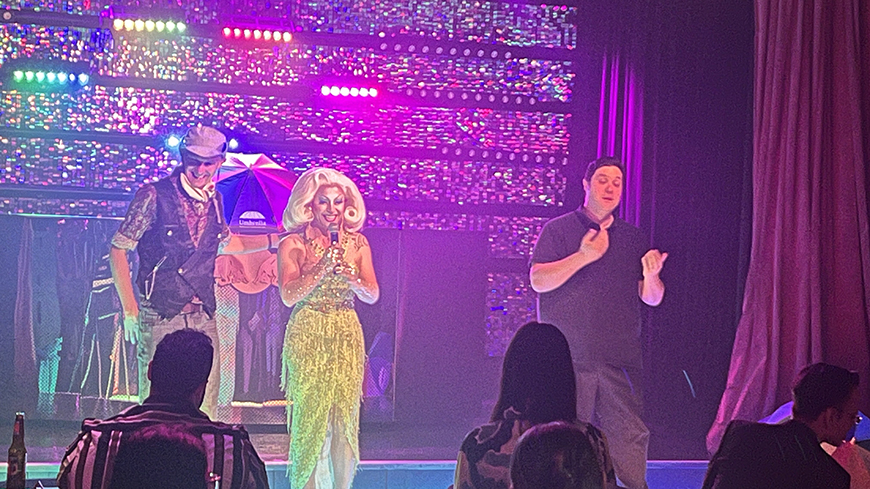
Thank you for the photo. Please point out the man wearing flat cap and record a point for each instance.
(177, 227)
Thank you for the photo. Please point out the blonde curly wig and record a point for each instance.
(298, 211)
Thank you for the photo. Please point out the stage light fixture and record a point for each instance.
(148, 25)
(348, 91)
(173, 141)
(233, 144)
(257, 35)
(43, 74)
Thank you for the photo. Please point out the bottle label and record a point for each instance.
(15, 466)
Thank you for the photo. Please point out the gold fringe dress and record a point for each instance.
(324, 356)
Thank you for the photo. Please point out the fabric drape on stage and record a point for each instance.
(807, 295)
(620, 125)
(24, 353)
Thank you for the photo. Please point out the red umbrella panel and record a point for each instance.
(255, 190)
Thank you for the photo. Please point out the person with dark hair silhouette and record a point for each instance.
(555, 455)
(179, 372)
(790, 455)
(164, 456)
(537, 387)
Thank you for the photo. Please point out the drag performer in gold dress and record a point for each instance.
(322, 265)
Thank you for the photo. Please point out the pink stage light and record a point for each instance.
(348, 91)
(249, 34)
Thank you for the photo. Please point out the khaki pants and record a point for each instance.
(152, 329)
(611, 398)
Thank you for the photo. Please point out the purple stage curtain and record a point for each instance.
(807, 293)
(620, 125)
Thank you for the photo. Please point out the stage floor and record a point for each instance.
(428, 474)
(394, 457)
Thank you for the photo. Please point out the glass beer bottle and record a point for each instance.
(17, 456)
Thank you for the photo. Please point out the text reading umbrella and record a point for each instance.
(255, 190)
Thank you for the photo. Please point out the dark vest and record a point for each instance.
(171, 269)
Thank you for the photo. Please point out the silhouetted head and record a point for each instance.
(163, 456)
(537, 377)
(826, 398)
(555, 455)
(181, 364)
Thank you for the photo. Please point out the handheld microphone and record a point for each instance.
(333, 233)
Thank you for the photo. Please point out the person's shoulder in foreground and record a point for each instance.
(757, 455)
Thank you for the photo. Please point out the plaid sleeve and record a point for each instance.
(141, 214)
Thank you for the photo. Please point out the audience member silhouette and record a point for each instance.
(164, 456)
(789, 455)
(555, 455)
(537, 387)
(179, 372)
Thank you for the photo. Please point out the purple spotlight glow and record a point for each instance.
(324, 90)
(334, 91)
(344, 91)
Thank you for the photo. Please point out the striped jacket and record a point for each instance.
(88, 460)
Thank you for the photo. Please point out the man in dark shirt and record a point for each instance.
(179, 373)
(590, 269)
(789, 456)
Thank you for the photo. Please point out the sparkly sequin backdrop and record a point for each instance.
(471, 129)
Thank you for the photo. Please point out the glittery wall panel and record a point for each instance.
(520, 24)
(510, 306)
(509, 237)
(83, 164)
(409, 47)
(73, 206)
(150, 112)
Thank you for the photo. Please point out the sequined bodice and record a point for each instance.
(333, 293)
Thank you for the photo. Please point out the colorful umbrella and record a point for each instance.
(255, 190)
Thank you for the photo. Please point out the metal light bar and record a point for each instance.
(149, 26)
(257, 35)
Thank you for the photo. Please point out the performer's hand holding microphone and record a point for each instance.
(337, 255)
